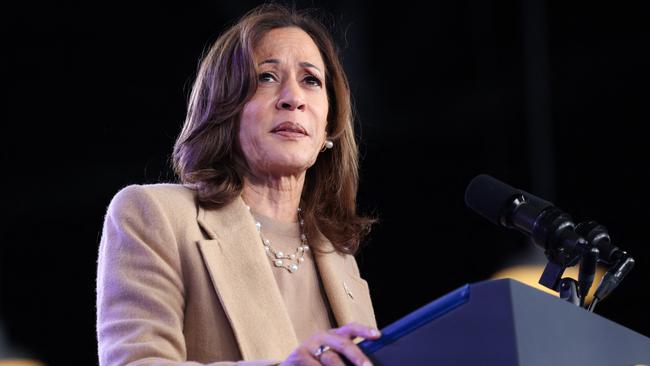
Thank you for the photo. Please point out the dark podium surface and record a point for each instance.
(505, 322)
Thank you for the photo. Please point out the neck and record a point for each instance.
(277, 198)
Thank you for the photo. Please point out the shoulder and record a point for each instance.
(170, 198)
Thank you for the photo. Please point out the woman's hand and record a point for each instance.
(328, 347)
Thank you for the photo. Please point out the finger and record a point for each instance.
(351, 330)
(347, 348)
(303, 357)
(331, 358)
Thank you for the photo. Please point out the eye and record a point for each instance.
(313, 81)
(266, 77)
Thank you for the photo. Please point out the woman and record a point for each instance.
(251, 258)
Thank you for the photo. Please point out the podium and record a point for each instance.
(505, 322)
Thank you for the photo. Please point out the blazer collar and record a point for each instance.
(246, 287)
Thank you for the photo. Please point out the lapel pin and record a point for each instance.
(347, 290)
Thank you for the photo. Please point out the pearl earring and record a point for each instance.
(329, 144)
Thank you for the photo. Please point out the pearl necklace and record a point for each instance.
(290, 262)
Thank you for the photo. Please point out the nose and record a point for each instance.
(291, 97)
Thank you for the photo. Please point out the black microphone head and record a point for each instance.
(488, 197)
(493, 199)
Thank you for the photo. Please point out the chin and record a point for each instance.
(292, 166)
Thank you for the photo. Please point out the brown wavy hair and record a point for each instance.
(207, 154)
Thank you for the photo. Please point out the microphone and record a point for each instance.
(547, 226)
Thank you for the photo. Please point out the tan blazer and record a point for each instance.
(177, 282)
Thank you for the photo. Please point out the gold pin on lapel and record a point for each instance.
(347, 290)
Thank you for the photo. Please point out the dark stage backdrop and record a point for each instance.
(549, 97)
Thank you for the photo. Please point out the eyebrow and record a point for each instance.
(302, 64)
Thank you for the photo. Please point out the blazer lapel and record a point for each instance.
(244, 283)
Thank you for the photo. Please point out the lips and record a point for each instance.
(289, 128)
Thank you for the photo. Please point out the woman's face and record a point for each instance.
(282, 128)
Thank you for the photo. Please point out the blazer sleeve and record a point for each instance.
(140, 292)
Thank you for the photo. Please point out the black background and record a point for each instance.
(551, 97)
